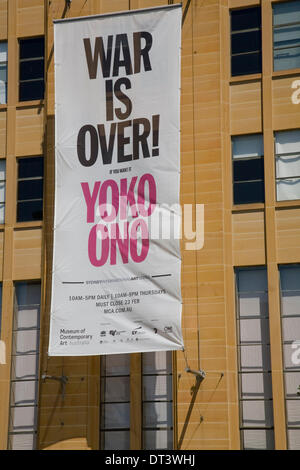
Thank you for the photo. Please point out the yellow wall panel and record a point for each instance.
(29, 131)
(135, 4)
(78, 8)
(248, 238)
(30, 18)
(288, 229)
(245, 108)
(27, 254)
(3, 19)
(242, 3)
(58, 436)
(286, 114)
(67, 416)
(60, 426)
(70, 444)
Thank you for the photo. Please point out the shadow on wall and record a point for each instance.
(63, 408)
(76, 443)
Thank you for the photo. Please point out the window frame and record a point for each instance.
(14, 354)
(103, 430)
(168, 402)
(232, 33)
(250, 158)
(278, 27)
(5, 63)
(257, 370)
(35, 59)
(286, 370)
(35, 178)
(280, 155)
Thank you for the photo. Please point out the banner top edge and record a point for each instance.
(117, 13)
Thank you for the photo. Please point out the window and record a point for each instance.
(3, 72)
(31, 81)
(255, 382)
(157, 400)
(290, 318)
(287, 154)
(245, 41)
(248, 169)
(115, 402)
(30, 189)
(24, 367)
(2, 190)
(286, 35)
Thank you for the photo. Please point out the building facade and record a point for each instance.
(240, 157)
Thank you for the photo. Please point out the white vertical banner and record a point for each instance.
(116, 256)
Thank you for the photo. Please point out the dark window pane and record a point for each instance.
(247, 18)
(29, 294)
(31, 90)
(30, 189)
(32, 69)
(33, 47)
(245, 170)
(30, 167)
(29, 210)
(246, 64)
(246, 42)
(247, 193)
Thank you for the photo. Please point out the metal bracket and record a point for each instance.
(200, 374)
(62, 379)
